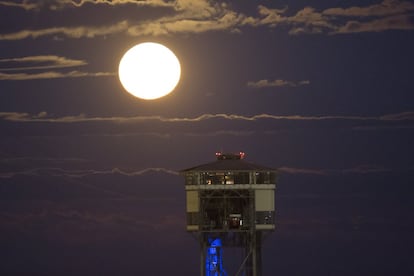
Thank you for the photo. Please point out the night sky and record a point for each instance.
(323, 91)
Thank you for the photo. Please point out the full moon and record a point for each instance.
(149, 71)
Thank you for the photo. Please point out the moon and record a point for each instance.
(149, 71)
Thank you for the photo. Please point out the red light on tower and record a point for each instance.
(242, 155)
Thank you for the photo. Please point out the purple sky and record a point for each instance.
(320, 90)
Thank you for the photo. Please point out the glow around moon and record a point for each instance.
(149, 71)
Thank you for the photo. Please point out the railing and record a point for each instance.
(229, 178)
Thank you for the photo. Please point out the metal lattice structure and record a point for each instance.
(230, 203)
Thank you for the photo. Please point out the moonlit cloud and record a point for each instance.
(70, 32)
(307, 19)
(52, 75)
(25, 117)
(61, 4)
(385, 8)
(194, 6)
(361, 169)
(399, 22)
(409, 115)
(290, 170)
(77, 174)
(155, 3)
(226, 22)
(366, 169)
(59, 172)
(23, 5)
(276, 83)
(45, 62)
(203, 16)
(388, 15)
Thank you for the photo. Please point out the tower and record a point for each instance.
(230, 203)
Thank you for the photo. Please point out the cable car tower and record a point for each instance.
(230, 203)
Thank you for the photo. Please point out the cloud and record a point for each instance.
(366, 169)
(52, 75)
(201, 16)
(166, 27)
(311, 19)
(269, 16)
(23, 5)
(42, 63)
(77, 174)
(193, 6)
(163, 26)
(290, 170)
(43, 117)
(276, 83)
(385, 8)
(61, 4)
(155, 3)
(308, 18)
(409, 115)
(400, 22)
(71, 32)
(190, 17)
(59, 172)
(46, 62)
(388, 15)
(360, 169)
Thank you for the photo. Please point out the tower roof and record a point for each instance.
(229, 162)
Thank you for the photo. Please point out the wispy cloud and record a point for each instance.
(59, 172)
(308, 19)
(76, 174)
(276, 83)
(201, 16)
(290, 170)
(398, 22)
(156, 3)
(385, 8)
(409, 115)
(388, 15)
(189, 17)
(52, 75)
(366, 169)
(43, 117)
(70, 32)
(23, 5)
(361, 169)
(61, 4)
(43, 62)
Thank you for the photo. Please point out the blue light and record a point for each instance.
(214, 258)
